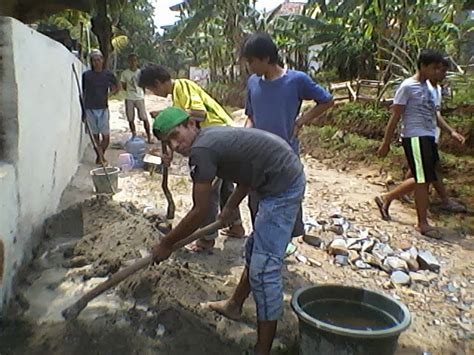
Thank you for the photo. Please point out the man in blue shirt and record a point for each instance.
(274, 98)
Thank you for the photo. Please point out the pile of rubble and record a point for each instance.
(362, 249)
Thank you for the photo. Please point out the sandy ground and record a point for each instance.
(158, 310)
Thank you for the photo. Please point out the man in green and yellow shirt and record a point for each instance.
(202, 108)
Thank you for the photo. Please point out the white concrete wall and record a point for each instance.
(8, 226)
(49, 140)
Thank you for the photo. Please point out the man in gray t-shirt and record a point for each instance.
(256, 161)
(251, 157)
(415, 105)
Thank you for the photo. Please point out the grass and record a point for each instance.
(369, 121)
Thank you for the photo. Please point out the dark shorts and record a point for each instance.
(422, 156)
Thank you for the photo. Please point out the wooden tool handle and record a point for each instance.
(73, 311)
(164, 185)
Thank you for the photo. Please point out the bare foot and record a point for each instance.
(236, 231)
(200, 245)
(227, 308)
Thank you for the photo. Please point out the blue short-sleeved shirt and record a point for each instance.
(274, 105)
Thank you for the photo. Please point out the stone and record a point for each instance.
(353, 256)
(414, 252)
(337, 229)
(382, 250)
(362, 265)
(410, 260)
(395, 263)
(430, 275)
(368, 245)
(463, 307)
(427, 261)
(338, 247)
(353, 243)
(399, 278)
(338, 221)
(341, 260)
(160, 330)
(420, 277)
(353, 235)
(371, 259)
(405, 244)
(313, 240)
(314, 262)
(452, 287)
(301, 258)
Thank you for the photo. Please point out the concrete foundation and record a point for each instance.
(41, 140)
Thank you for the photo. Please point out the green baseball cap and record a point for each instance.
(169, 118)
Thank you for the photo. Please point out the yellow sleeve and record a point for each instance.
(187, 96)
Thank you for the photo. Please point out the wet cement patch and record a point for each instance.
(84, 245)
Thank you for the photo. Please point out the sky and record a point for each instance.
(164, 16)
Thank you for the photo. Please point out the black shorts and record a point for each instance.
(422, 155)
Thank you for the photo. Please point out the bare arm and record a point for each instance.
(446, 127)
(197, 113)
(312, 114)
(397, 111)
(190, 223)
(233, 202)
(249, 122)
(114, 89)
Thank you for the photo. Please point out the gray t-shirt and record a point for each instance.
(246, 156)
(419, 118)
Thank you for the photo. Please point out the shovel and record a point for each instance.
(73, 311)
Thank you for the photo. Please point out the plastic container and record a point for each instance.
(136, 146)
(346, 320)
(126, 161)
(101, 182)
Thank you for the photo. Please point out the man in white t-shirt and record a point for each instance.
(415, 106)
(436, 90)
(135, 98)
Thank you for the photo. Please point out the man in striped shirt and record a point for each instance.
(416, 107)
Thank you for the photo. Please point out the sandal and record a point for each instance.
(194, 247)
(383, 211)
(290, 249)
(454, 207)
(432, 233)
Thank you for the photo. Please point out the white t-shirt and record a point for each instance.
(134, 92)
(437, 95)
(419, 117)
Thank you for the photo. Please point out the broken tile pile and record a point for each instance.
(361, 249)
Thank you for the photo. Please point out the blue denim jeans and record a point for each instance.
(265, 248)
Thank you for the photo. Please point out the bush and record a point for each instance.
(232, 94)
(370, 122)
